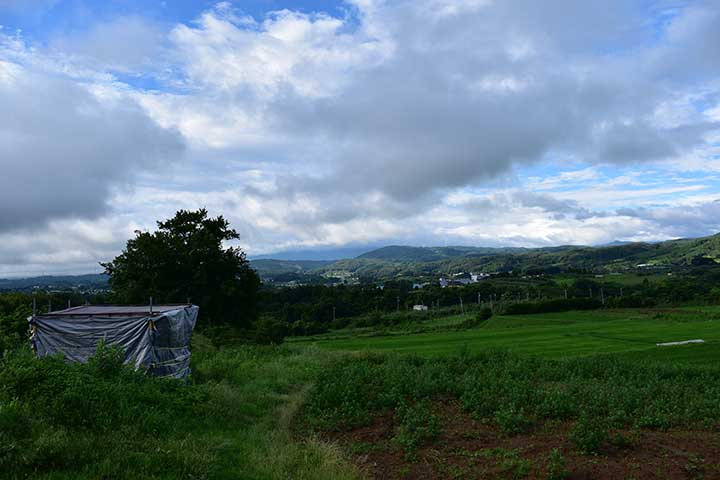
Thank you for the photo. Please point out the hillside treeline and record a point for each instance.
(316, 309)
(16, 307)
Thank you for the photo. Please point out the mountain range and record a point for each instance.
(90, 281)
(416, 263)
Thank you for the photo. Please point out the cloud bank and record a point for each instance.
(424, 121)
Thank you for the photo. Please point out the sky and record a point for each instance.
(322, 124)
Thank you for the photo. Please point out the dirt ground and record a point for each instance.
(469, 449)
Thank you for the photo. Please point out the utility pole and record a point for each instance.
(478, 298)
(49, 305)
(602, 296)
(69, 304)
(462, 308)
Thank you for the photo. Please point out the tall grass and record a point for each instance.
(104, 420)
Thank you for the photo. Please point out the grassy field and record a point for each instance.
(631, 333)
(233, 420)
(584, 394)
(517, 397)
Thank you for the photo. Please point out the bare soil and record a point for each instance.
(469, 449)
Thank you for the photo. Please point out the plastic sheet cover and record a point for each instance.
(158, 343)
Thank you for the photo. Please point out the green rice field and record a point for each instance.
(629, 333)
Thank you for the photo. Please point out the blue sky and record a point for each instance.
(43, 19)
(322, 125)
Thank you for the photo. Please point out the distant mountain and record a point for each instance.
(269, 266)
(416, 263)
(404, 262)
(614, 243)
(400, 253)
(323, 254)
(59, 282)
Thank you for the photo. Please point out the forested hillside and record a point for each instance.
(417, 262)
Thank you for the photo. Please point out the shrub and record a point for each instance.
(621, 441)
(512, 420)
(417, 426)
(589, 434)
(556, 469)
(556, 305)
(482, 316)
(107, 361)
(269, 331)
(510, 462)
(62, 415)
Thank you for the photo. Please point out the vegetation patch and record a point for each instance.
(550, 417)
(105, 420)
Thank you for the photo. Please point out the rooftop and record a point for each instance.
(114, 310)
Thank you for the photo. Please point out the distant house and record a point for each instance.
(476, 277)
(420, 308)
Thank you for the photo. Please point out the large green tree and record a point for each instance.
(186, 258)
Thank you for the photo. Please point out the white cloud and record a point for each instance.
(63, 149)
(399, 120)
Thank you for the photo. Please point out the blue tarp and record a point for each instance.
(157, 342)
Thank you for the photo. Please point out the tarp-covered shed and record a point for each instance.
(156, 338)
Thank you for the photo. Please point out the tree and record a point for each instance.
(186, 259)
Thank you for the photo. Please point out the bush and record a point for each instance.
(589, 434)
(58, 415)
(512, 420)
(269, 331)
(484, 314)
(556, 469)
(13, 328)
(549, 306)
(417, 426)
